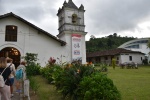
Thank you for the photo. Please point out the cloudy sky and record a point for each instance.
(102, 17)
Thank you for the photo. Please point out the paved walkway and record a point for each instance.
(16, 96)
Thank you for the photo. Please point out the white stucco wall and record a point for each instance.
(30, 40)
(142, 46)
(67, 37)
(67, 28)
(135, 58)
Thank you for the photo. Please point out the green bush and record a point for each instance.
(103, 67)
(68, 80)
(30, 58)
(33, 84)
(50, 72)
(97, 87)
(145, 61)
(97, 64)
(33, 69)
(80, 82)
(47, 73)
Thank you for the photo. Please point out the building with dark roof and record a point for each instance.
(18, 37)
(121, 56)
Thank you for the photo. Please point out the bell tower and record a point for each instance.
(71, 25)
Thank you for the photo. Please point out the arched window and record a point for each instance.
(74, 18)
(11, 33)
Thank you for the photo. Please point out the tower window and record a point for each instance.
(11, 33)
(74, 18)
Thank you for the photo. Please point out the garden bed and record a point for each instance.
(132, 84)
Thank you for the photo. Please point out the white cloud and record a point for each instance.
(102, 17)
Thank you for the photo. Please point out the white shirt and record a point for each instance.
(13, 70)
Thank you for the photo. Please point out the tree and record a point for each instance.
(105, 43)
(110, 36)
(30, 58)
(148, 44)
(115, 34)
(92, 37)
(100, 44)
(109, 43)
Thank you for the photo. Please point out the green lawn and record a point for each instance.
(46, 91)
(133, 84)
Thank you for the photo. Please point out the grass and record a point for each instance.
(46, 91)
(133, 84)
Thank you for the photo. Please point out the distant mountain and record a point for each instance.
(106, 43)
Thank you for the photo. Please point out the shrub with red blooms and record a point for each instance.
(51, 61)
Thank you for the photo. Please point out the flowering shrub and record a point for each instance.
(50, 72)
(51, 61)
(72, 81)
(68, 80)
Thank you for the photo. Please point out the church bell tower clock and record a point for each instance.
(71, 29)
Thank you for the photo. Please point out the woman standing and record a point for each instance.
(20, 79)
(5, 91)
(12, 75)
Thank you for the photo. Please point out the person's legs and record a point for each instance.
(11, 85)
(18, 86)
(5, 93)
(11, 89)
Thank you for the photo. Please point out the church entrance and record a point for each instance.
(12, 53)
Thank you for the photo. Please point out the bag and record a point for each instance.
(19, 74)
(2, 82)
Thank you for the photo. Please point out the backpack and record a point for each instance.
(19, 73)
(2, 82)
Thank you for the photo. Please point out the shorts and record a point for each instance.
(11, 81)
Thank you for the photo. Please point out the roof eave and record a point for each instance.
(32, 25)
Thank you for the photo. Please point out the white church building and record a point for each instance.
(18, 37)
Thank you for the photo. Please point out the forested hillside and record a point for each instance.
(106, 43)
